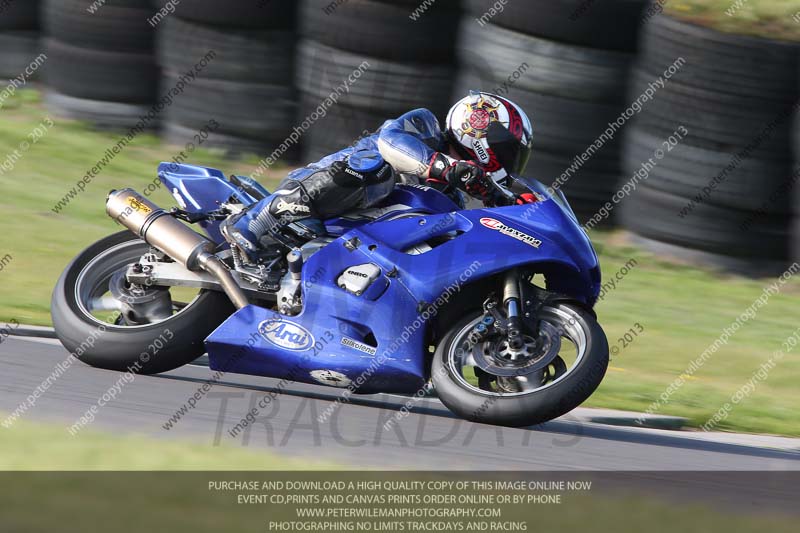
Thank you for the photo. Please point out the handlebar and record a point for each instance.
(502, 192)
(507, 194)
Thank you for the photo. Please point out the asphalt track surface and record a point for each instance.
(428, 437)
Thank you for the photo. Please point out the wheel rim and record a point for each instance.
(93, 295)
(465, 370)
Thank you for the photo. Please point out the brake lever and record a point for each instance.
(504, 197)
(508, 197)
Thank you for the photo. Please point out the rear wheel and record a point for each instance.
(555, 370)
(109, 323)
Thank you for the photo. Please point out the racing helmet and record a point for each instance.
(492, 131)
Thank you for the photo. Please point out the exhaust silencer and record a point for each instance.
(181, 243)
(157, 227)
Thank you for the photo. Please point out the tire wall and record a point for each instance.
(566, 62)
(375, 61)
(718, 139)
(19, 38)
(794, 192)
(244, 100)
(713, 150)
(100, 60)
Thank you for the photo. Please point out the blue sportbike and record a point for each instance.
(492, 308)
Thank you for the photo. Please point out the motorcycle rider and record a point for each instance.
(486, 136)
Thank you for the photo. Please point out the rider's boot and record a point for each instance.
(270, 222)
(236, 230)
(281, 220)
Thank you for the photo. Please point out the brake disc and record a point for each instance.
(499, 359)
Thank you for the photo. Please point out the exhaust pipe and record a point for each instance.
(162, 231)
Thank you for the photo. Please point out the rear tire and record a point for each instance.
(122, 348)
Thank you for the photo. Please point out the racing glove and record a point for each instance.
(448, 172)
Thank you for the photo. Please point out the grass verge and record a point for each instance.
(41, 447)
(769, 19)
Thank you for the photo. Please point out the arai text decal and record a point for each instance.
(286, 334)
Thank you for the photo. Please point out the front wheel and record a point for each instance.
(546, 378)
(108, 323)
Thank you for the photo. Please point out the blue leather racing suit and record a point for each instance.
(335, 184)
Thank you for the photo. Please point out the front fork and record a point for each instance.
(512, 301)
(507, 321)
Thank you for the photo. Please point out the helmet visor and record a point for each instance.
(512, 154)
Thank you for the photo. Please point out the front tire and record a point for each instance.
(557, 390)
(90, 327)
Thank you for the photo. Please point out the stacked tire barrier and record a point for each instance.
(566, 63)
(19, 37)
(101, 66)
(363, 61)
(242, 98)
(796, 191)
(722, 128)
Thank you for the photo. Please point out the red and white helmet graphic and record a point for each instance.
(492, 131)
